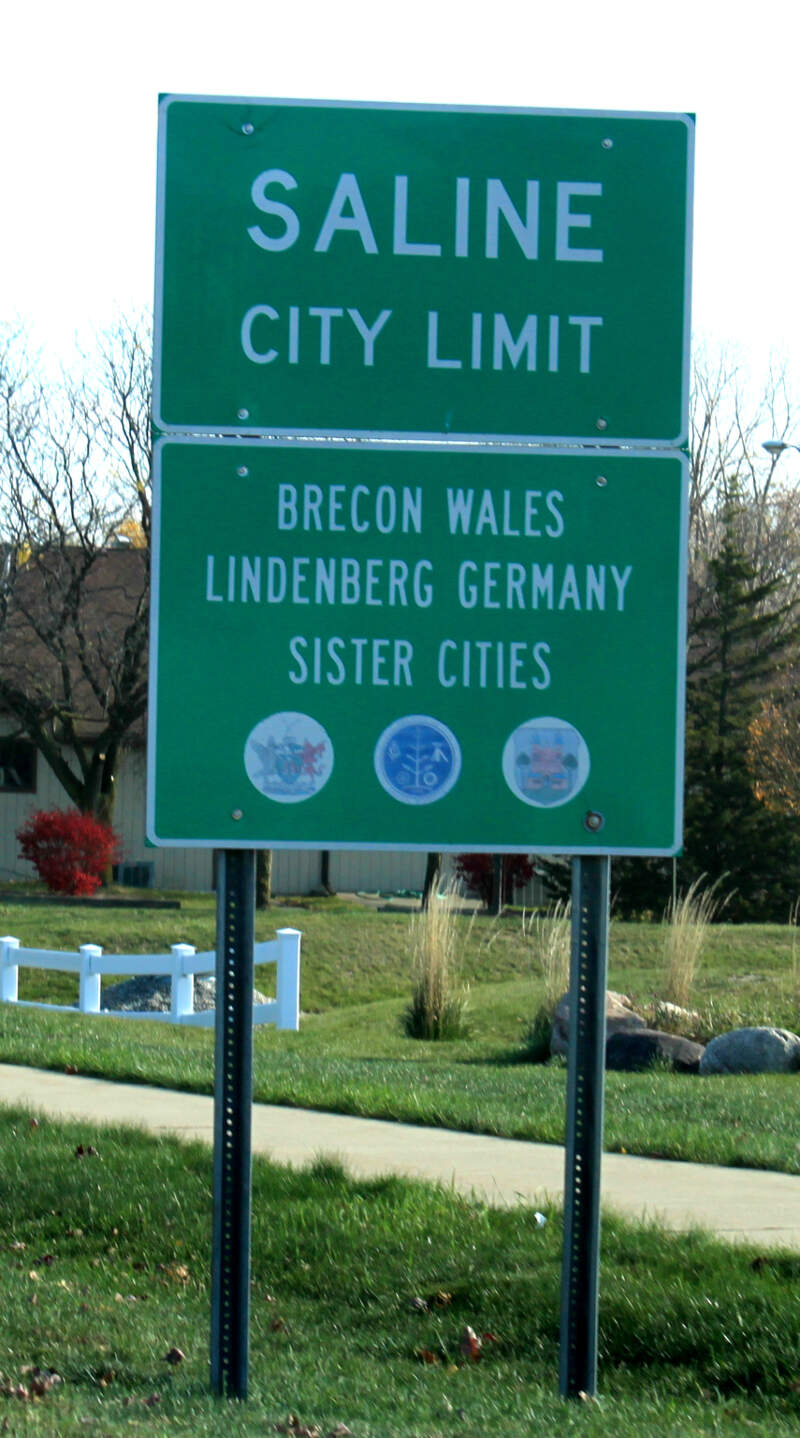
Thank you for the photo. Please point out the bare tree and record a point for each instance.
(728, 423)
(74, 559)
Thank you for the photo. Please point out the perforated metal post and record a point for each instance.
(584, 1147)
(233, 1095)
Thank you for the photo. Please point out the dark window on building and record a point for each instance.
(17, 766)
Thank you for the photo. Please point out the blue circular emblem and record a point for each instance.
(417, 759)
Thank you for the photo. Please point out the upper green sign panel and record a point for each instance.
(349, 269)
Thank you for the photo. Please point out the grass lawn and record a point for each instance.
(351, 1055)
(361, 1295)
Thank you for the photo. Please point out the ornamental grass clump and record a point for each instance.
(794, 923)
(550, 938)
(439, 999)
(685, 931)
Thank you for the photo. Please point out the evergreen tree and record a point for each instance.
(741, 637)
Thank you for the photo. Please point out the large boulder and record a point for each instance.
(752, 1051)
(638, 1049)
(620, 1018)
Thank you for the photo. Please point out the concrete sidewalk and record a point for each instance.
(741, 1205)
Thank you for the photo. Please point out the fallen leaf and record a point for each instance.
(419, 1305)
(278, 1325)
(33, 1123)
(178, 1272)
(428, 1357)
(153, 1399)
(441, 1300)
(70, 1068)
(13, 1390)
(43, 1380)
(175, 1356)
(471, 1345)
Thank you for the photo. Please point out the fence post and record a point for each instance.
(182, 992)
(287, 983)
(89, 996)
(9, 971)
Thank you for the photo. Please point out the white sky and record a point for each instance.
(78, 97)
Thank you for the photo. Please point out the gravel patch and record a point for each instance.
(153, 993)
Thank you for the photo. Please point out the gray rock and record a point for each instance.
(152, 994)
(752, 1051)
(620, 1018)
(641, 1048)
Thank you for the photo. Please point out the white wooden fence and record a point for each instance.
(180, 965)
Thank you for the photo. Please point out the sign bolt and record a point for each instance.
(601, 480)
(601, 423)
(593, 821)
(237, 814)
(243, 472)
(607, 144)
(247, 128)
(245, 414)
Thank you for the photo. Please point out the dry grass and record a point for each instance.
(685, 929)
(439, 998)
(794, 921)
(549, 936)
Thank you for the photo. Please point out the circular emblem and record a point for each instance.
(288, 757)
(417, 759)
(545, 762)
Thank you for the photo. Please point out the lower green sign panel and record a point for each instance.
(395, 646)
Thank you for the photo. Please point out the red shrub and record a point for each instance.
(476, 871)
(69, 850)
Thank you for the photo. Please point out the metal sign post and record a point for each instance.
(233, 1096)
(585, 1092)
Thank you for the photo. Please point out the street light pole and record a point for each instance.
(776, 447)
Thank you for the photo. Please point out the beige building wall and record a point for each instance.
(295, 871)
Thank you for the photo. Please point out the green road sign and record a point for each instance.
(422, 271)
(388, 647)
